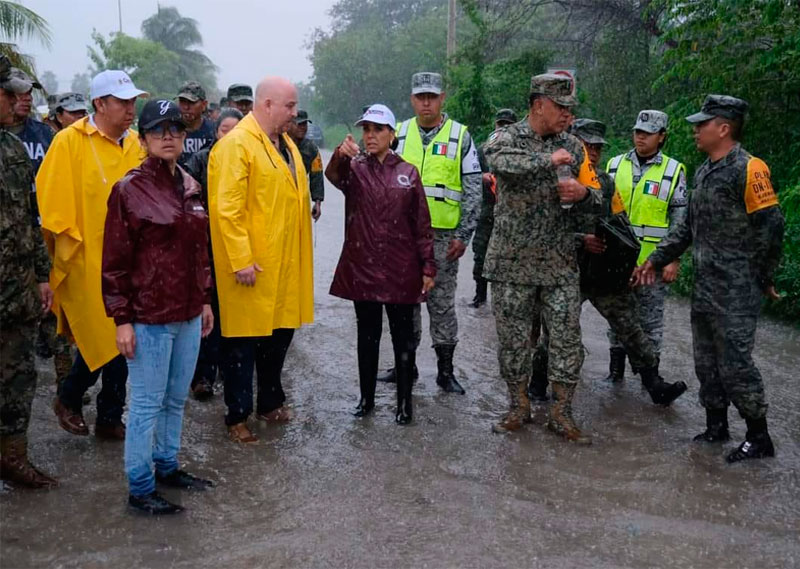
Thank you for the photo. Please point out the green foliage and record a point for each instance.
(17, 22)
(80, 83)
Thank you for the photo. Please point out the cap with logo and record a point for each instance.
(378, 114)
(426, 82)
(71, 102)
(557, 88)
(192, 91)
(590, 131)
(240, 92)
(723, 106)
(651, 121)
(115, 83)
(302, 118)
(505, 115)
(158, 111)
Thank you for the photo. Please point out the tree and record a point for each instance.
(180, 35)
(18, 22)
(80, 83)
(49, 82)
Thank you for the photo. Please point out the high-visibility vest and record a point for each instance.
(647, 205)
(439, 166)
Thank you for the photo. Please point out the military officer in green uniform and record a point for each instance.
(312, 160)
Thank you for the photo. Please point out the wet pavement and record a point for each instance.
(329, 490)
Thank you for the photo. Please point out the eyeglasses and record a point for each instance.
(174, 129)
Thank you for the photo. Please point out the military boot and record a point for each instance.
(616, 365)
(15, 466)
(661, 392)
(446, 379)
(716, 427)
(519, 411)
(757, 442)
(537, 388)
(62, 364)
(481, 286)
(559, 416)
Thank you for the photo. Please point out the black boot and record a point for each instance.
(446, 379)
(153, 504)
(480, 292)
(404, 387)
(389, 376)
(661, 392)
(537, 388)
(757, 443)
(616, 365)
(367, 402)
(716, 427)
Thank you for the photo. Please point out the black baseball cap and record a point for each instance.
(157, 111)
(302, 117)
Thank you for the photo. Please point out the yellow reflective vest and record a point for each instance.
(439, 166)
(647, 205)
(73, 185)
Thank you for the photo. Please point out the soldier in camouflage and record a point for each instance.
(23, 263)
(480, 242)
(312, 160)
(735, 228)
(532, 257)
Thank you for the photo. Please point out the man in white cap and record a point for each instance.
(74, 183)
(654, 192)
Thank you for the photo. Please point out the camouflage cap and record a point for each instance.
(590, 131)
(505, 116)
(426, 82)
(723, 106)
(192, 91)
(240, 92)
(557, 88)
(302, 118)
(651, 121)
(71, 102)
(18, 81)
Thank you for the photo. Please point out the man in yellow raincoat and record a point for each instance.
(84, 161)
(261, 239)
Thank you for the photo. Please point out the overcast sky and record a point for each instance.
(246, 39)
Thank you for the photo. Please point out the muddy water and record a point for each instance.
(332, 491)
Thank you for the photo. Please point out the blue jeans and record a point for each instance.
(159, 376)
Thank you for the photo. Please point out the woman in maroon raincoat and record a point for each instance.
(387, 257)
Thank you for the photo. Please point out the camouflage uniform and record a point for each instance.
(313, 163)
(532, 257)
(480, 242)
(23, 263)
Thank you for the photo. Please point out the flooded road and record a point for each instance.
(329, 490)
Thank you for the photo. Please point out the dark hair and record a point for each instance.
(532, 97)
(227, 112)
(736, 126)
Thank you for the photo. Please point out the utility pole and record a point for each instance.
(451, 28)
(119, 11)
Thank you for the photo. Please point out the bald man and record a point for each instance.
(261, 238)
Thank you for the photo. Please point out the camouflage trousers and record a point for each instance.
(620, 310)
(723, 346)
(516, 308)
(47, 334)
(17, 377)
(480, 243)
(442, 298)
(650, 306)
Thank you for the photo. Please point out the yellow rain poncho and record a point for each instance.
(260, 213)
(73, 186)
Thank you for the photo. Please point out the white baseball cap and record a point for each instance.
(378, 114)
(114, 82)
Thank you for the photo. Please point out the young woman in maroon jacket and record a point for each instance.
(157, 287)
(387, 259)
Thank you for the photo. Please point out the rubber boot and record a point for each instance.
(757, 442)
(481, 286)
(716, 427)
(661, 392)
(367, 402)
(616, 365)
(559, 416)
(15, 466)
(537, 388)
(446, 379)
(405, 383)
(519, 410)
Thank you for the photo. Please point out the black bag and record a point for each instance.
(610, 271)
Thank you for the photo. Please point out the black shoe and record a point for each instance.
(203, 390)
(616, 365)
(753, 447)
(446, 379)
(364, 408)
(389, 376)
(402, 417)
(153, 504)
(716, 427)
(181, 479)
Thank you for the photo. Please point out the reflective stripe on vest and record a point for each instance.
(439, 166)
(646, 231)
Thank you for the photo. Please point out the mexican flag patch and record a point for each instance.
(440, 149)
(651, 188)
